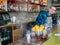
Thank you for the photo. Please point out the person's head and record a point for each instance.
(52, 10)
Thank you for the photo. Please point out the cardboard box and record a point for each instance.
(17, 34)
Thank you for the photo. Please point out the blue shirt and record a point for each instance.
(41, 19)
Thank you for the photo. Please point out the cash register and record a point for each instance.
(6, 32)
(4, 18)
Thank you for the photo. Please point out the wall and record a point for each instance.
(23, 15)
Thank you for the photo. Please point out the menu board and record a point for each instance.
(3, 5)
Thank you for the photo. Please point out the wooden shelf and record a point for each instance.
(33, 3)
(28, 2)
(27, 5)
(39, 3)
(13, 11)
(7, 25)
(33, 12)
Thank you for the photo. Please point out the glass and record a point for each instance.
(32, 34)
(33, 37)
(49, 25)
(28, 37)
(48, 28)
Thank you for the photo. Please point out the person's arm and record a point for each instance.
(41, 18)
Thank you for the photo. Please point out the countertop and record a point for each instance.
(7, 25)
(20, 21)
(55, 40)
(52, 41)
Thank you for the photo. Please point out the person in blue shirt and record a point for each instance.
(41, 18)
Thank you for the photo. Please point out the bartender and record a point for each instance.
(42, 25)
(42, 17)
